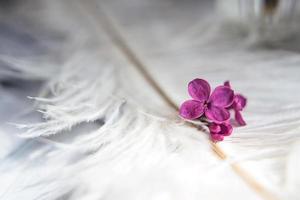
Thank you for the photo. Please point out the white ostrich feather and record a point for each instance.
(218, 50)
(98, 141)
(103, 132)
(123, 153)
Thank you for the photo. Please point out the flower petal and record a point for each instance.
(239, 118)
(226, 129)
(217, 137)
(199, 89)
(219, 131)
(239, 102)
(191, 109)
(227, 83)
(217, 114)
(214, 128)
(222, 96)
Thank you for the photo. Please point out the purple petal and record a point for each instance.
(217, 114)
(239, 118)
(199, 89)
(217, 137)
(226, 129)
(222, 96)
(191, 109)
(214, 128)
(239, 102)
(227, 84)
(219, 131)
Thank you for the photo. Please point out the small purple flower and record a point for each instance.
(219, 131)
(212, 105)
(238, 104)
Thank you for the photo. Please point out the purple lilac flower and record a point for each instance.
(219, 131)
(213, 105)
(238, 104)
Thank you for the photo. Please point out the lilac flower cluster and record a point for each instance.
(213, 107)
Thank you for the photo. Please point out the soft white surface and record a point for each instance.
(200, 43)
(104, 133)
